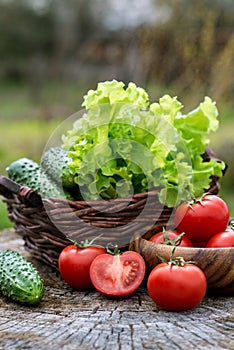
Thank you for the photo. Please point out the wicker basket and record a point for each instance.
(45, 224)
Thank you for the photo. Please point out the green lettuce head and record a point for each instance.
(123, 145)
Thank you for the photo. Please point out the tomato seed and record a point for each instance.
(126, 282)
(131, 275)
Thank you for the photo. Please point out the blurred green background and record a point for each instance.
(53, 51)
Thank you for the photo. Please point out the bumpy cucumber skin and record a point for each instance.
(54, 163)
(26, 172)
(48, 188)
(19, 279)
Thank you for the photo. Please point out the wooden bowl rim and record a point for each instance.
(179, 250)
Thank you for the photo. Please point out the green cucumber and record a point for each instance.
(19, 279)
(28, 173)
(54, 163)
(25, 172)
(49, 188)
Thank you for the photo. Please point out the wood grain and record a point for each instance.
(69, 319)
(216, 263)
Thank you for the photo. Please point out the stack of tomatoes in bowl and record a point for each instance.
(202, 236)
(205, 222)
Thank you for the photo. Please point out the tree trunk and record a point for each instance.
(70, 319)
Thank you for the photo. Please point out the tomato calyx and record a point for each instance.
(112, 249)
(197, 200)
(84, 244)
(172, 242)
(178, 261)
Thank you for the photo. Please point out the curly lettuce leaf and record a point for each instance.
(124, 145)
(114, 92)
(196, 126)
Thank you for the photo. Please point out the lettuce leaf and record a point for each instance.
(123, 145)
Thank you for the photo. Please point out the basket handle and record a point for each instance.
(8, 188)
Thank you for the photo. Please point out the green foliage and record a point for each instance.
(24, 138)
(192, 52)
(4, 221)
(27, 126)
(124, 144)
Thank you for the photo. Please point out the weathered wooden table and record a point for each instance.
(69, 319)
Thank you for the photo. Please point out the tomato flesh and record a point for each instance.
(117, 275)
(176, 288)
(74, 264)
(202, 219)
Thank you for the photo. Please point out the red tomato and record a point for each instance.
(74, 264)
(161, 238)
(199, 244)
(222, 239)
(117, 275)
(202, 219)
(176, 288)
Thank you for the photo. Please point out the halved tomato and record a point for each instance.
(118, 274)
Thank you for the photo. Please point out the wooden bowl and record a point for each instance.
(216, 263)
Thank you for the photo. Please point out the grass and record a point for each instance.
(26, 124)
(49, 100)
(28, 117)
(24, 139)
(4, 221)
